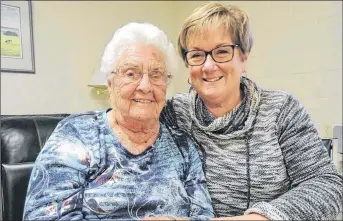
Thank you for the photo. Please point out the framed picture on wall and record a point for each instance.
(17, 51)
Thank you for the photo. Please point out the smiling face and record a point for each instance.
(139, 100)
(216, 83)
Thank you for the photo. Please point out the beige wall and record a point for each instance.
(69, 40)
(298, 48)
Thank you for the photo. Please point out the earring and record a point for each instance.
(244, 74)
(189, 81)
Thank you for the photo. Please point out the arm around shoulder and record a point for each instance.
(175, 113)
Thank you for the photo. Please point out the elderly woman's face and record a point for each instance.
(139, 98)
(216, 82)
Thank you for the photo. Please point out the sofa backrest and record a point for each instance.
(22, 138)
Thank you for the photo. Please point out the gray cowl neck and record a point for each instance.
(237, 121)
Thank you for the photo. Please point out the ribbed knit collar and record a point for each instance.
(237, 120)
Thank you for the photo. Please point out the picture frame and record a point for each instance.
(17, 46)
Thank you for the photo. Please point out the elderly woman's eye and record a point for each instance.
(156, 75)
(130, 74)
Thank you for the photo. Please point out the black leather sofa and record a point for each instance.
(22, 137)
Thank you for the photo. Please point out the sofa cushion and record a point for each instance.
(19, 141)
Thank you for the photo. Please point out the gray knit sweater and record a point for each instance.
(264, 156)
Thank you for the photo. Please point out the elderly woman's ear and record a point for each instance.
(109, 84)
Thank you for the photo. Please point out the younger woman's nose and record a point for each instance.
(209, 65)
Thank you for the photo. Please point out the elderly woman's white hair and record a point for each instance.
(136, 33)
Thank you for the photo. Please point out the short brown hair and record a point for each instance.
(235, 20)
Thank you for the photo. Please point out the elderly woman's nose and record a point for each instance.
(145, 84)
(209, 65)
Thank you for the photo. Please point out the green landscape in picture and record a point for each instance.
(10, 46)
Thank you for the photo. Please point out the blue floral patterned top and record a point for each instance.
(83, 172)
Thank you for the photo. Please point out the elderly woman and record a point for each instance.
(122, 163)
(263, 156)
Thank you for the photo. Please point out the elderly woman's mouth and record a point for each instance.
(212, 79)
(142, 101)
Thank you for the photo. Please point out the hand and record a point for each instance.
(253, 216)
(170, 218)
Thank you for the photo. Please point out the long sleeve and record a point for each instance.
(316, 187)
(195, 184)
(57, 181)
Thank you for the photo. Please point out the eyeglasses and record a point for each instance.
(219, 54)
(134, 76)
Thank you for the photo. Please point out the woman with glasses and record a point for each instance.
(263, 157)
(122, 163)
